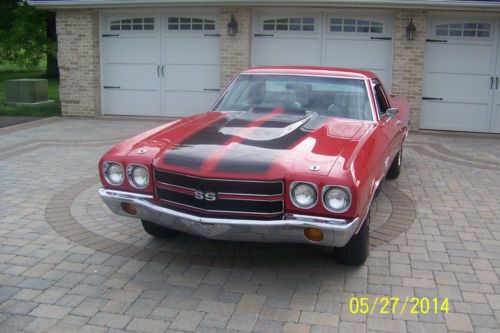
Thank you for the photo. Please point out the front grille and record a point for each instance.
(221, 186)
(232, 196)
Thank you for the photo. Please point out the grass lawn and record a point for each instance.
(52, 109)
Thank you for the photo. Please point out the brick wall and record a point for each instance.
(235, 50)
(408, 63)
(78, 56)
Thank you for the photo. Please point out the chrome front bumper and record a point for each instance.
(337, 232)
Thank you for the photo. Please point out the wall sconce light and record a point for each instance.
(232, 26)
(411, 30)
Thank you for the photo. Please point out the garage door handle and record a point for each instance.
(162, 70)
(436, 40)
(496, 84)
(432, 98)
(491, 82)
(381, 38)
(110, 35)
(263, 35)
(211, 35)
(158, 70)
(111, 87)
(211, 89)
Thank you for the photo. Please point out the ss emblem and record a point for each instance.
(208, 196)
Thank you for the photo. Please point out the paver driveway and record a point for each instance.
(67, 264)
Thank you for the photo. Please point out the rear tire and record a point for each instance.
(357, 249)
(157, 230)
(395, 168)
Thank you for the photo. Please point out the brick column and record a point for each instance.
(78, 57)
(408, 67)
(235, 50)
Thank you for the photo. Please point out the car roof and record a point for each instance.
(310, 70)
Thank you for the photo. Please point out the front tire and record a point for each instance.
(395, 168)
(357, 249)
(157, 230)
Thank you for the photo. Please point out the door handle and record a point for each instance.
(211, 89)
(491, 82)
(162, 70)
(496, 85)
(432, 98)
(158, 70)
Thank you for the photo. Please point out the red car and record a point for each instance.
(286, 154)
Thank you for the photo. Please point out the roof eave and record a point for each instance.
(417, 4)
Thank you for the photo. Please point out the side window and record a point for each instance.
(382, 103)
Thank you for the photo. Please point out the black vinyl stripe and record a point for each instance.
(254, 156)
(248, 156)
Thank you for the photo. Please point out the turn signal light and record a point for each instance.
(313, 234)
(129, 208)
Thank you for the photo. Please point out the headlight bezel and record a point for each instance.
(130, 178)
(105, 168)
(328, 188)
(292, 187)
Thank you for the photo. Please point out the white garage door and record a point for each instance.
(460, 83)
(338, 39)
(160, 64)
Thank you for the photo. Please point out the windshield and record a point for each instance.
(327, 96)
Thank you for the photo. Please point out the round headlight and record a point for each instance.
(138, 176)
(304, 195)
(337, 199)
(113, 173)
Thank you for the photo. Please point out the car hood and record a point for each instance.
(262, 143)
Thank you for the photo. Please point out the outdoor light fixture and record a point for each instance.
(411, 30)
(232, 26)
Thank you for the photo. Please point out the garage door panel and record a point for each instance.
(455, 116)
(192, 77)
(139, 76)
(127, 102)
(137, 50)
(455, 58)
(458, 87)
(272, 51)
(353, 53)
(192, 50)
(186, 103)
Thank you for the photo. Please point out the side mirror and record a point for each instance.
(392, 112)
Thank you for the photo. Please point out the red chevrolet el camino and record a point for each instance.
(286, 154)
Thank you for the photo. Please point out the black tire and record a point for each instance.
(357, 249)
(395, 168)
(157, 230)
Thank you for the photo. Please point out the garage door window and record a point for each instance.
(190, 23)
(132, 23)
(464, 30)
(289, 24)
(343, 24)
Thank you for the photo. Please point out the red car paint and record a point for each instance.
(351, 153)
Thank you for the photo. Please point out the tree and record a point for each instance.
(25, 32)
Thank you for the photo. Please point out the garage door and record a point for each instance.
(339, 39)
(460, 83)
(160, 64)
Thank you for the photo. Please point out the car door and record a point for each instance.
(389, 123)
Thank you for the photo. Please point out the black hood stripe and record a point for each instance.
(244, 156)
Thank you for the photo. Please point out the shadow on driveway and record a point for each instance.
(6, 121)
